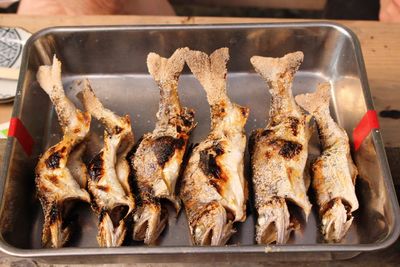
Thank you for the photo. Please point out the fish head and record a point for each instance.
(110, 233)
(273, 223)
(212, 227)
(59, 219)
(336, 221)
(55, 235)
(149, 221)
(111, 228)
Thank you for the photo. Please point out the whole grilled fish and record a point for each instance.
(214, 190)
(333, 172)
(60, 172)
(279, 153)
(109, 172)
(157, 159)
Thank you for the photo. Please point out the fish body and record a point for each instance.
(60, 173)
(333, 173)
(214, 189)
(157, 159)
(279, 154)
(109, 172)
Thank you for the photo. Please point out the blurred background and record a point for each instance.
(307, 9)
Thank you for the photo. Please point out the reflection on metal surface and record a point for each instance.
(371, 190)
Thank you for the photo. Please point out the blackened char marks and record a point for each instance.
(287, 149)
(209, 165)
(164, 148)
(266, 132)
(294, 125)
(53, 213)
(102, 214)
(187, 119)
(96, 167)
(53, 161)
(130, 157)
(208, 162)
(252, 141)
(290, 149)
(117, 129)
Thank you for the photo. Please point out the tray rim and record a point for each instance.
(171, 250)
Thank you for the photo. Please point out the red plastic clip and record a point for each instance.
(18, 130)
(368, 122)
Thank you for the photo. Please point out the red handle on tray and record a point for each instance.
(368, 123)
(18, 130)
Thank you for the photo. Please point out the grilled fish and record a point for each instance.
(333, 172)
(279, 154)
(157, 159)
(214, 190)
(60, 172)
(109, 172)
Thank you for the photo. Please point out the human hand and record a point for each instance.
(389, 11)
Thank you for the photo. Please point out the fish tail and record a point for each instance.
(166, 70)
(278, 71)
(316, 102)
(49, 78)
(211, 72)
(93, 105)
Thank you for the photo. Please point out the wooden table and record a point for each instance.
(380, 44)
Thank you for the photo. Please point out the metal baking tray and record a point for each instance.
(113, 58)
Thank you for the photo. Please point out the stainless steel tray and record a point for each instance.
(113, 58)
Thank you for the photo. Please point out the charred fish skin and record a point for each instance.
(333, 173)
(108, 180)
(158, 158)
(279, 153)
(214, 189)
(57, 185)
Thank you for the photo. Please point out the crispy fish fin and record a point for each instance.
(166, 70)
(276, 70)
(211, 72)
(316, 102)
